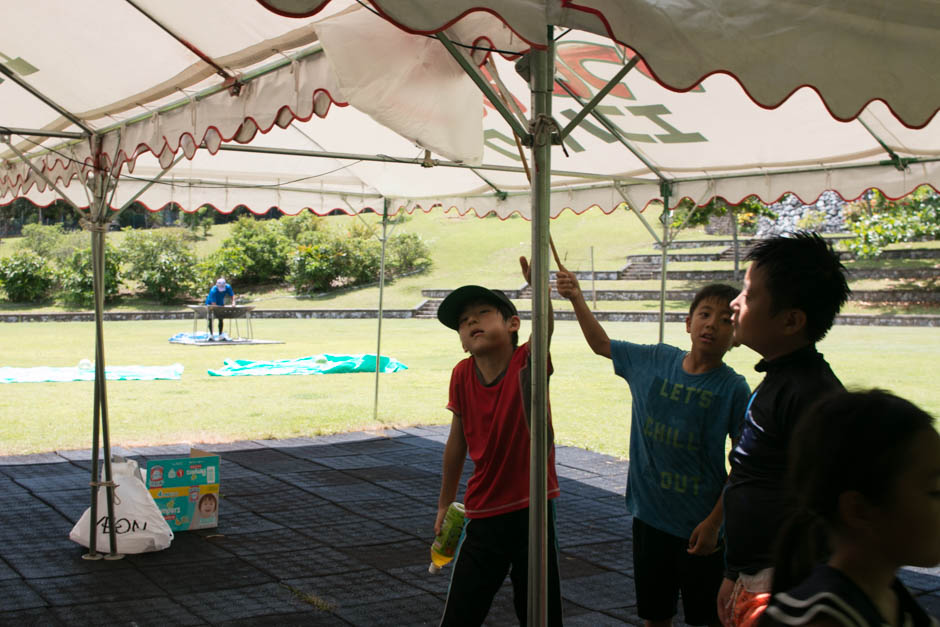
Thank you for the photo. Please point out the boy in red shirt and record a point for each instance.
(490, 402)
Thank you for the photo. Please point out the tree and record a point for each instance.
(878, 221)
(746, 212)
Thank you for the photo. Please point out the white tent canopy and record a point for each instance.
(710, 140)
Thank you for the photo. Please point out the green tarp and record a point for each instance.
(315, 364)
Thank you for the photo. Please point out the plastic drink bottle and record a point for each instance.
(445, 544)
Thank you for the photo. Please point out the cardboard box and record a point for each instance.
(186, 490)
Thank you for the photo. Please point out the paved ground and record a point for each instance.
(322, 531)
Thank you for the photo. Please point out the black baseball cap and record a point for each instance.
(452, 306)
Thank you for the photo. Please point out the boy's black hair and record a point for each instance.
(714, 291)
(846, 441)
(803, 272)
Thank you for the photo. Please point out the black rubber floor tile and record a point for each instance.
(52, 483)
(373, 446)
(415, 611)
(47, 469)
(244, 522)
(36, 617)
(298, 619)
(362, 533)
(300, 563)
(419, 577)
(318, 478)
(7, 572)
(316, 452)
(43, 561)
(250, 484)
(10, 489)
(276, 500)
(346, 462)
(36, 459)
(412, 455)
(502, 611)
(420, 526)
(269, 461)
(396, 506)
(588, 460)
(426, 440)
(572, 567)
(220, 574)
(18, 595)
(570, 507)
(119, 584)
(627, 614)
(276, 541)
(232, 604)
(594, 619)
(604, 591)
(285, 445)
(616, 483)
(187, 547)
(226, 447)
(69, 503)
(421, 489)
(165, 451)
(583, 489)
(410, 552)
(572, 533)
(230, 470)
(140, 612)
(303, 517)
(378, 474)
(617, 556)
(350, 436)
(350, 493)
(49, 529)
(350, 589)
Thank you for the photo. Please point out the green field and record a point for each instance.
(591, 406)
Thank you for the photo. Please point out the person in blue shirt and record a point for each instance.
(216, 296)
(685, 405)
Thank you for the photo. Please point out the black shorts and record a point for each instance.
(663, 568)
(491, 548)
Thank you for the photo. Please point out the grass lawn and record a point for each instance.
(591, 406)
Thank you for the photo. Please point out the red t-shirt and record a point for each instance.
(495, 421)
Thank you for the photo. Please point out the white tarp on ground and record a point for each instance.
(710, 140)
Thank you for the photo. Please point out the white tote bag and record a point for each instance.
(138, 524)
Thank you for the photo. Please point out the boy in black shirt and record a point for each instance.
(792, 292)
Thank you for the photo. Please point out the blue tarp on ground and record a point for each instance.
(86, 372)
(315, 364)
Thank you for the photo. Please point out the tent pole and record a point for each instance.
(734, 235)
(378, 342)
(664, 218)
(98, 225)
(543, 128)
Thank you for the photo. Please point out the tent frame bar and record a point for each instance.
(473, 72)
(47, 101)
(591, 106)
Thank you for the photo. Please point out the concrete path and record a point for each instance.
(322, 531)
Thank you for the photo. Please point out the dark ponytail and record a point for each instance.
(848, 441)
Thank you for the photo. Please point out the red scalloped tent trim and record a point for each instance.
(610, 33)
(123, 157)
(472, 210)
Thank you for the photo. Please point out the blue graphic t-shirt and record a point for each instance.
(678, 430)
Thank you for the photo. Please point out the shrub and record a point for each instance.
(77, 284)
(293, 227)
(256, 252)
(407, 252)
(26, 276)
(163, 261)
(315, 264)
(42, 239)
(913, 217)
